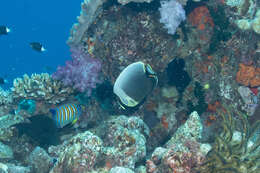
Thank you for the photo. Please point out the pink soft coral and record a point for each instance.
(81, 72)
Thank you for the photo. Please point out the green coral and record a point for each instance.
(231, 154)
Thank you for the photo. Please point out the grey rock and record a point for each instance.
(5, 151)
(40, 161)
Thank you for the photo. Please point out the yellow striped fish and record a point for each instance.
(66, 114)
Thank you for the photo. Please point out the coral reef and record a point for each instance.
(171, 20)
(104, 139)
(40, 87)
(8, 120)
(129, 148)
(191, 130)
(40, 161)
(86, 152)
(249, 98)
(120, 170)
(161, 114)
(248, 75)
(234, 151)
(5, 97)
(199, 94)
(79, 154)
(89, 11)
(221, 29)
(11, 168)
(81, 73)
(256, 22)
(115, 42)
(182, 153)
(26, 105)
(200, 17)
(5, 152)
(202, 21)
(177, 76)
(123, 2)
(6, 100)
(247, 14)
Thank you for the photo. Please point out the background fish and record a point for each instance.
(3, 81)
(66, 114)
(37, 46)
(4, 30)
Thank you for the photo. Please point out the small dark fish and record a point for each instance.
(3, 81)
(4, 30)
(37, 46)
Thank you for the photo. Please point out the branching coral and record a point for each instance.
(233, 151)
(5, 97)
(40, 87)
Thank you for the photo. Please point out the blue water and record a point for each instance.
(47, 22)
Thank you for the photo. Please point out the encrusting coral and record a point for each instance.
(40, 87)
(234, 151)
(248, 75)
(200, 18)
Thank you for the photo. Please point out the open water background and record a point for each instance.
(47, 22)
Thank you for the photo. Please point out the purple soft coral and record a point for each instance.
(81, 72)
